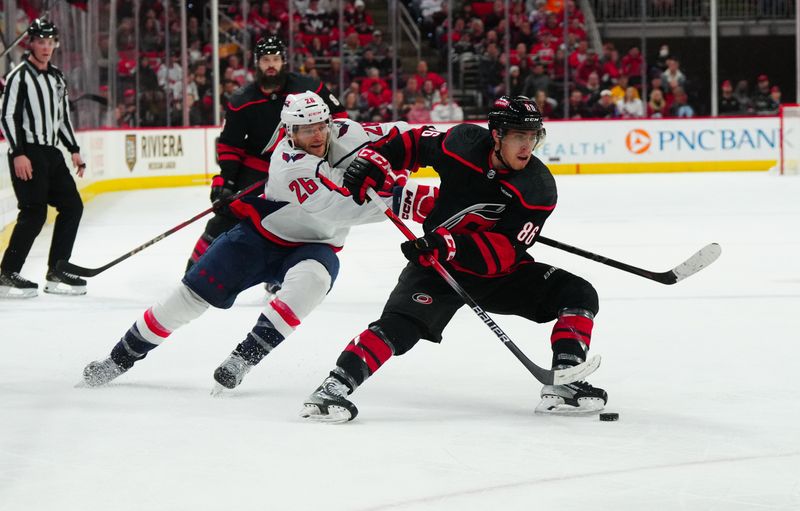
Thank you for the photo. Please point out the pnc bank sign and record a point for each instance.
(642, 141)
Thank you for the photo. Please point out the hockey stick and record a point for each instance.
(704, 257)
(68, 267)
(546, 376)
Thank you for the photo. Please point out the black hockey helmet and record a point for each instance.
(43, 28)
(271, 45)
(514, 113)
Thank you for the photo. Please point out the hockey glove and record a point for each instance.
(220, 191)
(368, 170)
(412, 200)
(439, 244)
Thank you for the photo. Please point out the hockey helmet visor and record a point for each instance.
(303, 109)
(516, 113)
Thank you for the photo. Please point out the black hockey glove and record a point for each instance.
(220, 191)
(368, 170)
(439, 244)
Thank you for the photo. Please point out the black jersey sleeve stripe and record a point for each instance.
(65, 129)
(42, 116)
(12, 112)
(50, 115)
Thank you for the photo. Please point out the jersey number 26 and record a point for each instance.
(303, 187)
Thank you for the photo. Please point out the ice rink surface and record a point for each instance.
(704, 374)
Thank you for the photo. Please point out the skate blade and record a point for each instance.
(335, 415)
(58, 288)
(14, 293)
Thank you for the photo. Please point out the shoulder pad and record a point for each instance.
(300, 83)
(467, 137)
(469, 133)
(534, 186)
(244, 95)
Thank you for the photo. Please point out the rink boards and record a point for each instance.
(125, 159)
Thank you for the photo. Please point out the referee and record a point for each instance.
(35, 115)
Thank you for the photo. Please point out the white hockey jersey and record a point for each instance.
(305, 199)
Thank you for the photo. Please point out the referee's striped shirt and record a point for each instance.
(36, 109)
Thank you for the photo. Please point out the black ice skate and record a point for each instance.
(577, 398)
(329, 403)
(100, 372)
(12, 285)
(231, 372)
(63, 283)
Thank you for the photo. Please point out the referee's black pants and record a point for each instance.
(51, 185)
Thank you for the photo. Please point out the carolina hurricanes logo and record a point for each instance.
(287, 157)
(422, 298)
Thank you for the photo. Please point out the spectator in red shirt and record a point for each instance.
(632, 65)
(577, 57)
(590, 65)
(611, 69)
(377, 95)
(545, 50)
(423, 74)
(576, 28)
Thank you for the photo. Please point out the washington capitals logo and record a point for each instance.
(287, 157)
(342, 129)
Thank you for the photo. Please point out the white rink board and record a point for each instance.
(702, 373)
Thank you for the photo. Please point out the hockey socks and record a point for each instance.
(571, 337)
(262, 339)
(365, 354)
(131, 347)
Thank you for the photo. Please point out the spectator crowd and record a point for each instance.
(549, 59)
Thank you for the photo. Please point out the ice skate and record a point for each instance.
(12, 285)
(329, 403)
(63, 283)
(231, 372)
(577, 398)
(100, 372)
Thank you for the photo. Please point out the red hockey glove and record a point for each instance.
(413, 200)
(221, 190)
(439, 244)
(368, 170)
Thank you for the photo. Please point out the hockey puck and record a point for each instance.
(609, 417)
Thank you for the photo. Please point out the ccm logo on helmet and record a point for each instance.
(422, 298)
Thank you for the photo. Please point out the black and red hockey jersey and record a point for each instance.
(493, 214)
(252, 121)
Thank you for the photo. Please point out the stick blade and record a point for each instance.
(576, 373)
(703, 258)
(68, 267)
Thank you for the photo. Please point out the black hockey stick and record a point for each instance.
(546, 376)
(704, 257)
(68, 267)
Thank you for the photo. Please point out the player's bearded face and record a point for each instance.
(270, 73)
(312, 138)
(517, 147)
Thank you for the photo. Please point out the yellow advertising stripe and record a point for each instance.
(92, 190)
(661, 167)
(644, 167)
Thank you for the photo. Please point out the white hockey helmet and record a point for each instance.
(303, 108)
